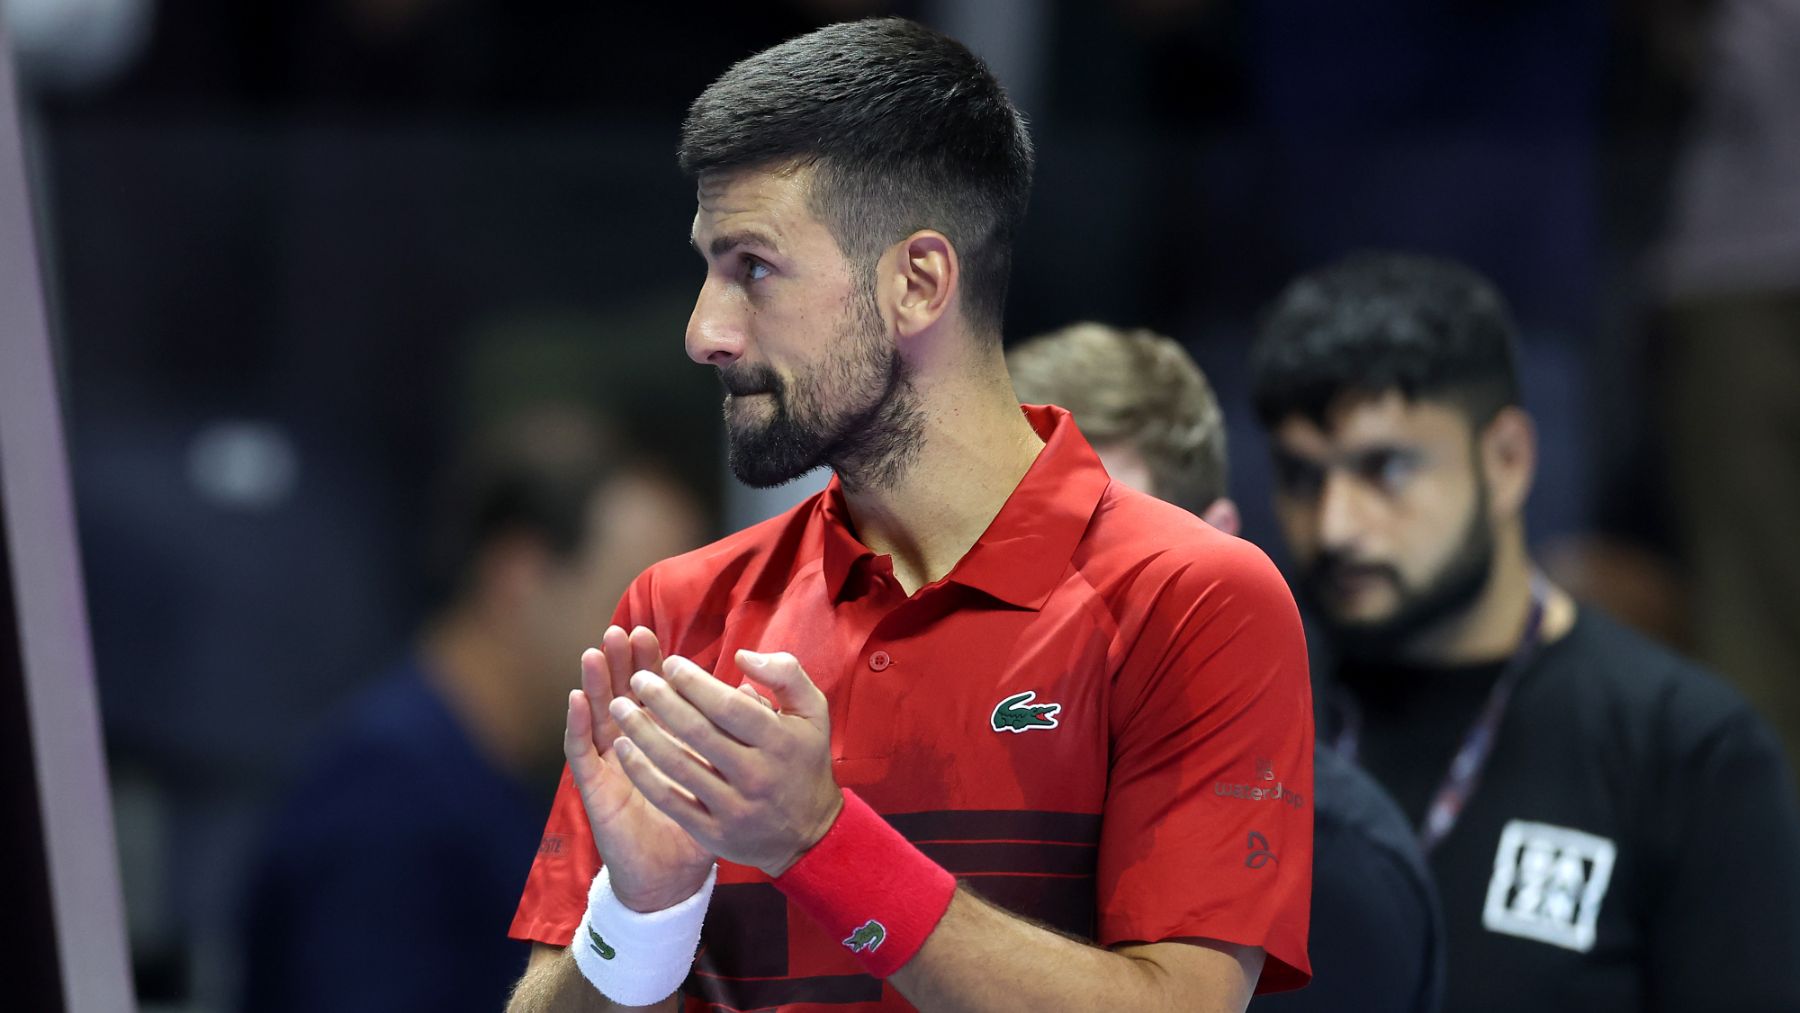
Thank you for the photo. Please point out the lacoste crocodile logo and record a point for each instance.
(1017, 713)
(606, 952)
(867, 938)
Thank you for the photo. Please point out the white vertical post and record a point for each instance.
(45, 576)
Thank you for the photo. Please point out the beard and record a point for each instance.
(1445, 595)
(857, 412)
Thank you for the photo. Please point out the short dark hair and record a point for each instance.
(904, 128)
(1136, 388)
(536, 475)
(1378, 322)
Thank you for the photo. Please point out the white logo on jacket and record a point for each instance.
(1548, 884)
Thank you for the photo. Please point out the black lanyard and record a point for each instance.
(1471, 758)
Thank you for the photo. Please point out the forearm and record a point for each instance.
(553, 984)
(980, 958)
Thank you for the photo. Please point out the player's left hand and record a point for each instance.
(749, 781)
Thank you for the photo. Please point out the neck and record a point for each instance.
(470, 664)
(1491, 627)
(974, 449)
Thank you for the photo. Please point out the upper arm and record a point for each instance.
(1203, 967)
(1207, 831)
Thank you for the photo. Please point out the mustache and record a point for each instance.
(741, 380)
(1332, 568)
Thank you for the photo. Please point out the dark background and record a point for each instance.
(296, 250)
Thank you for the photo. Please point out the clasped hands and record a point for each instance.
(676, 767)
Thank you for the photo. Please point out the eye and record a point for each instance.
(1390, 470)
(755, 269)
(1297, 478)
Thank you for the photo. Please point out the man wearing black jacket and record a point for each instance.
(1610, 827)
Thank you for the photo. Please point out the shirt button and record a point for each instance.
(879, 661)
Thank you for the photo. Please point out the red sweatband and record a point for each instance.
(870, 888)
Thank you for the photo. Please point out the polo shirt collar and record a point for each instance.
(1021, 557)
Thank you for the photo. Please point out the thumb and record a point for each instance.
(787, 682)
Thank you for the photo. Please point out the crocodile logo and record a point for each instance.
(606, 952)
(867, 938)
(1017, 713)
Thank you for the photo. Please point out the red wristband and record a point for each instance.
(870, 888)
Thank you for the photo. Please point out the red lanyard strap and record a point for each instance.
(1460, 781)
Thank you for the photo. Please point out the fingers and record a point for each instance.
(646, 652)
(596, 690)
(578, 735)
(615, 645)
(787, 682)
(743, 716)
(748, 688)
(661, 791)
(688, 705)
(672, 760)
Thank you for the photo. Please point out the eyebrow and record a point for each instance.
(727, 241)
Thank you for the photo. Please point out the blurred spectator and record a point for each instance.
(1582, 794)
(1732, 279)
(390, 871)
(1377, 939)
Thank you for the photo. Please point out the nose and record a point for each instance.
(715, 330)
(1341, 511)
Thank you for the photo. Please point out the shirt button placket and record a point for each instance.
(880, 660)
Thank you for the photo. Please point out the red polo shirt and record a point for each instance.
(1099, 719)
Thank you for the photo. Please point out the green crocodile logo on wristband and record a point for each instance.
(867, 938)
(606, 952)
(1017, 713)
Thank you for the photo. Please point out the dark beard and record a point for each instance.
(857, 413)
(1448, 595)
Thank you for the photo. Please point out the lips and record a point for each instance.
(1351, 581)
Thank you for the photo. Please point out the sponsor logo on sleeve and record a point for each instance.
(1017, 713)
(1258, 789)
(867, 938)
(1548, 884)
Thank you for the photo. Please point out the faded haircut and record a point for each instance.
(904, 129)
(1137, 388)
(1426, 327)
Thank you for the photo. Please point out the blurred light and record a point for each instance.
(76, 44)
(243, 465)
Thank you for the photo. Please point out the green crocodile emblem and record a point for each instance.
(606, 952)
(867, 937)
(1017, 713)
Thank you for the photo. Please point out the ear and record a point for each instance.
(1508, 448)
(1222, 513)
(921, 277)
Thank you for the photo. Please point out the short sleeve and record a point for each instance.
(555, 895)
(1208, 824)
(1728, 939)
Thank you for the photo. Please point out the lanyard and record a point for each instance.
(1471, 757)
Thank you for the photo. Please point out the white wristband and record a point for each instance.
(637, 958)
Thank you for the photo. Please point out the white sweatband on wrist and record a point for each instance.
(637, 958)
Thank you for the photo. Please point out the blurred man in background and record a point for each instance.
(1609, 826)
(1377, 939)
(392, 867)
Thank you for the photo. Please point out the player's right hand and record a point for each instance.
(653, 863)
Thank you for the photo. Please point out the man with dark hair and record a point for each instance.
(434, 774)
(1377, 939)
(1610, 827)
(971, 657)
